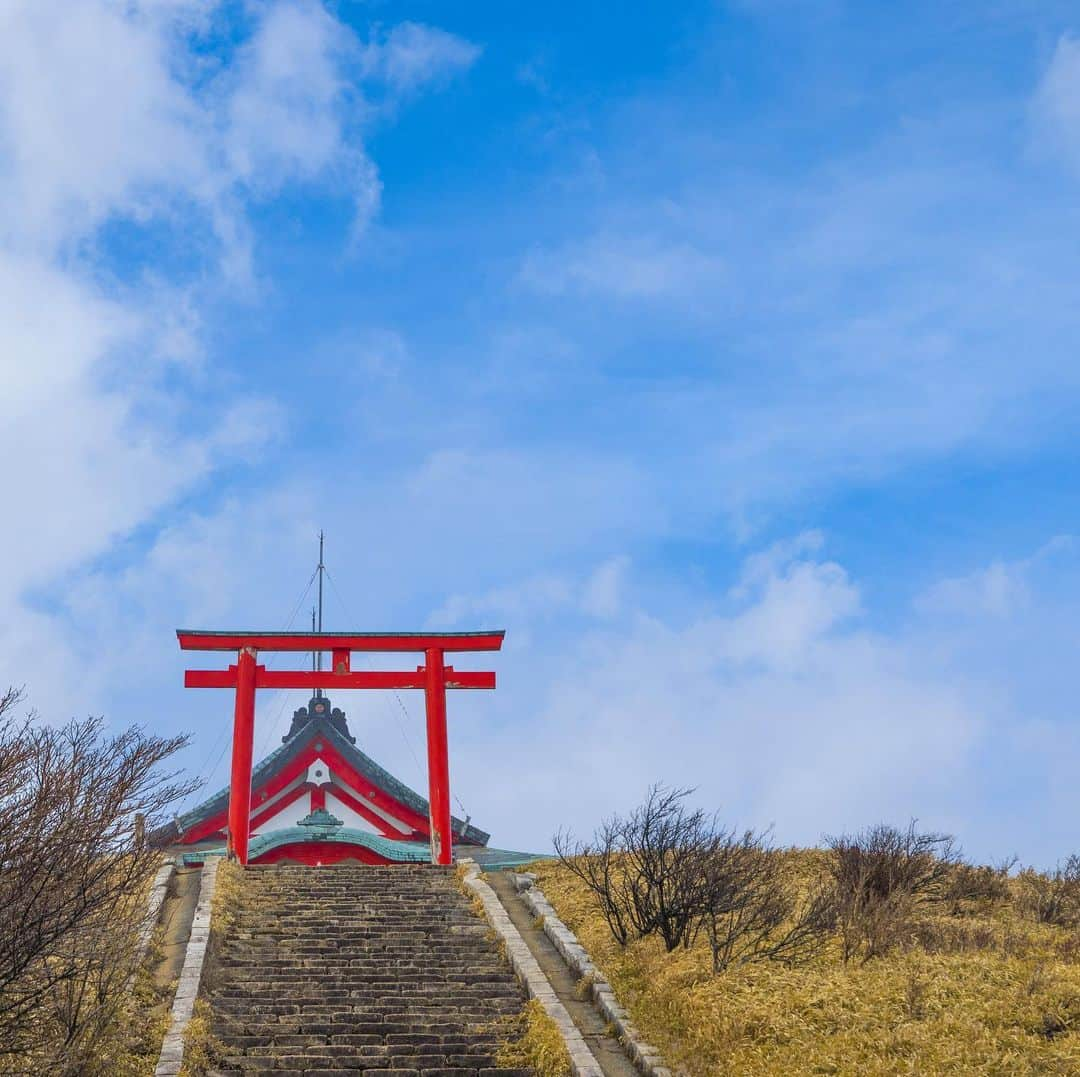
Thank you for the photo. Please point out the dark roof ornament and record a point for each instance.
(319, 707)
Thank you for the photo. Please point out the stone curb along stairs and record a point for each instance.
(643, 1055)
(187, 990)
(154, 902)
(528, 971)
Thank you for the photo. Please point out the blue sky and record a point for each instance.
(726, 358)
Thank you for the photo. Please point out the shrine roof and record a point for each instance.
(319, 726)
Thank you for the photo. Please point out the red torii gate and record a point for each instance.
(434, 677)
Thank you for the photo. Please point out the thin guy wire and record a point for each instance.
(207, 774)
(397, 696)
(364, 658)
(272, 729)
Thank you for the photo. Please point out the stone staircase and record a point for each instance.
(359, 969)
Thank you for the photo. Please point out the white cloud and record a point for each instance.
(1000, 590)
(781, 710)
(79, 466)
(995, 591)
(92, 120)
(760, 567)
(783, 706)
(833, 324)
(412, 55)
(528, 600)
(282, 118)
(108, 112)
(117, 112)
(1057, 101)
(598, 594)
(604, 589)
(794, 608)
(95, 124)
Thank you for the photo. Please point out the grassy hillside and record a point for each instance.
(978, 985)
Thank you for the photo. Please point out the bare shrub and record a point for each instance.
(976, 889)
(676, 873)
(749, 911)
(882, 876)
(1052, 897)
(944, 936)
(73, 884)
(646, 871)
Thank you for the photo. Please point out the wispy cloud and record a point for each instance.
(1056, 104)
(119, 114)
(625, 268)
(783, 297)
(411, 55)
(781, 709)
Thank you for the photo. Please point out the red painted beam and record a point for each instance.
(284, 678)
(313, 853)
(210, 678)
(281, 678)
(402, 642)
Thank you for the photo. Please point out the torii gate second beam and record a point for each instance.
(434, 677)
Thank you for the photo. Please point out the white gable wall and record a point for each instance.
(290, 815)
(258, 805)
(320, 774)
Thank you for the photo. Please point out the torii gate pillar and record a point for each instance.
(438, 757)
(242, 750)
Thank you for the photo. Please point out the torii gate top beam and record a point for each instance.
(401, 642)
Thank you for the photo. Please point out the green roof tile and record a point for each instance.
(400, 852)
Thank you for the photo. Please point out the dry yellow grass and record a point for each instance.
(992, 994)
(227, 890)
(538, 1045)
(201, 1049)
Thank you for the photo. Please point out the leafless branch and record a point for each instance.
(72, 878)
